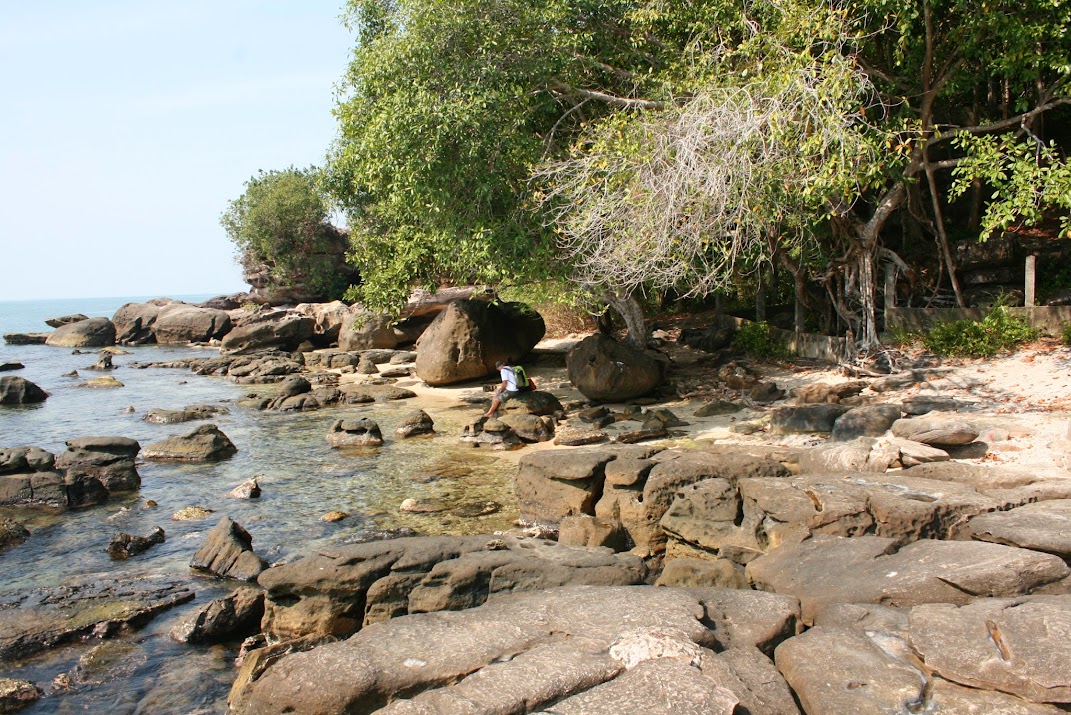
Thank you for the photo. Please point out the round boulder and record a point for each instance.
(604, 369)
(469, 336)
(91, 333)
(204, 444)
(180, 323)
(20, 391)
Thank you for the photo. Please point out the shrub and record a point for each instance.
(760, 340)
(998, 331)
(1067, 333)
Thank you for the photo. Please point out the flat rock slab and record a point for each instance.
(826, 570)
(591, 650)
(1019, 646)
(742, 520)
(92, 606)
(871, 670)
(939, 431)
(1041, 526)
(335, 593)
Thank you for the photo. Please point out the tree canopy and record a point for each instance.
(653, 144)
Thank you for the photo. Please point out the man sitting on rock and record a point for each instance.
(506, 390)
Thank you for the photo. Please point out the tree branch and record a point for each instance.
(623, 102)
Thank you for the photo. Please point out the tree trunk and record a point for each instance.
(631, 312)
(760, 296)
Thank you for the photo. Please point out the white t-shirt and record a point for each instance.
(510, 378)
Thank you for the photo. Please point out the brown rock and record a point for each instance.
(228, 552)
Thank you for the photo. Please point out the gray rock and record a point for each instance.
(934, 430)
(89, 333)
(576, 650)
(207, 443)
(134, 322)
(228, 552)
(602, 368)
(10, 365)
(232, 617)
(124, 546)
(16, 390)
(111, 460)
(26, 338)
(361, 432)
(867, 421)
(25, 459)
(271, 329)
(826, 570)
(97, 605)
(805, 418)
(180, 323)
(1041, 526)
(862, 454)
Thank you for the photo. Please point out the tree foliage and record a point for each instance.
(280, 223)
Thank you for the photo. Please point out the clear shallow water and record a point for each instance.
(302, 479)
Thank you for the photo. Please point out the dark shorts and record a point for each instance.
(505, 396)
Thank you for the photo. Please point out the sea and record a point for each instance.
(302, 479)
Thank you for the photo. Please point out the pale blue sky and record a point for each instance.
(127, 125)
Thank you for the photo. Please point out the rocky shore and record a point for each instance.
(697, 532)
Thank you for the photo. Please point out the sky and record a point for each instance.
(126, 127)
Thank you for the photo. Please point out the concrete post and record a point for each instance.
(1031, 276)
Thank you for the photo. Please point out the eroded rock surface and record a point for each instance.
(228, 552)
(1042, 526)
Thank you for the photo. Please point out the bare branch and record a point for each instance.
(623, 102)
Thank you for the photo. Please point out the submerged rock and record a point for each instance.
(124, 546)
(415, 423)
(16, 390)
(229, 618)
(186, 414)
(17, 694)
(361, 432)
(98, 605)
(12, 533)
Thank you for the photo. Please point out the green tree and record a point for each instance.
(280, 225)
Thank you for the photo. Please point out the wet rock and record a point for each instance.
(98, 605)
(867, 421)
(104, 363)
(934, 430)
(101, 383)
(111, 460)
(573, 437)
(10, 365)
(822, 393)
(192, 513)
(16, 390)
(465, 340)
(423, 506)
(108, 662)
(360, 432)
(826, 570)
(228, 552)
(89, 333)
(124, 546)
(26, 338)
(334, 592)
(604, 369)
(1041, 526)
(17, 694)
(230, 618)
(805, 418)
(249, 489)
(491, 434)
(12, 533)
(633, 649)
(415, 423)
(204, 444)
(186, 414)
(25, 459)
(1016, 646)
(333, 517)
(715, 408)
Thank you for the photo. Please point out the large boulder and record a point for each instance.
(827, 570)
(228, 552)
(282, 329)
(327, 320)
(805, 419)
(939, 431)
(65, 320)
(355, 432)
(867, 421)
(604, 369)
(108, 459)
(180, 323)
(90, 333)
(590, 650)
(135, 322)
(16, 390)
(467, 338)
(207, 443)
(363, 330)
